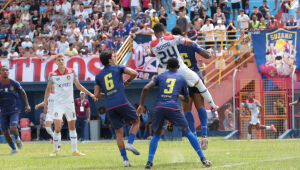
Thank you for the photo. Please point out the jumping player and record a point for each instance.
(110, 81)
(62, 81)
(10, 92)
(49, 116)
(188, 55)
(165, 47)
(170, 86)
(254, 107)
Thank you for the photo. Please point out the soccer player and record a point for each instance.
(10, 92)
(170, 86)
(110, 81)
(188, 55)
(61, 80)
(49, 116)
(165, 47)
(254, 107)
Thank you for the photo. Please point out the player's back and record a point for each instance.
(9, 94)
(170, 85)
(111, 81)
(188, 55)
(165, 48)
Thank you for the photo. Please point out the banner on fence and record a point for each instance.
(36, 69)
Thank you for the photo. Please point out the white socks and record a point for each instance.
(49, 131)
(205, 93)
(56, 140)
(73, 137)
(268, 127)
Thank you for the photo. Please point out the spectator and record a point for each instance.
(219, 16)
(254, 23)
(220, 34)
(220, 62)
(163, 16)
(154, 19)
(82, 105)
(89, 31)
(213, 8)
(284, 8)
(27, 43)
(182, 22)
(40, 50)
(227, 11)
(256, 13)
(291, 24)
(150, 10)
(298, 13)
(108, 14)
(273, 24)
(3, 52)
(62, 45)
(128, 24)
(236, 5)
(12, 54)
(279, 109)
(71, 51)
(231, 31)
(197, 22)
(145, 121)
(192, 33)
(133, 7)
(247, 8)
(126, 6)
(146, 30)
(243, 21)
(228, 120)
(193, 6)
(207, 29)
(264, 9)
(263, 25)
(25, 17)
(204, 17)
(117, 44)
(102, 116)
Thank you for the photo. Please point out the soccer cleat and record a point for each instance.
(272, 127)
(214, 108)
(131, 148)
(14, 151)
(52, 141)
(19, 143)
(149, 165)
(55, 153)
(204, 143)
(206, 162)
(77, 153)
(126, 163)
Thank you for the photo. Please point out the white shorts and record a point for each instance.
(254, 121)
(64, 109)
(191, 77)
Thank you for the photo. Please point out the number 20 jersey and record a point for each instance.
(111, 82)
(165, 48)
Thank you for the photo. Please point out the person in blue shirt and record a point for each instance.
(171, 86)
(10, 92)
(110, 82)
(188, 54)
(227, 11)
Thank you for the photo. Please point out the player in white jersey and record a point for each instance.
(62, 81)
(254, 107)
(165, 47)
(49, 116)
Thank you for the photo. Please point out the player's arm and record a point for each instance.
(89, 114)
(24, 96)
(39, 105)
(97, 92)
(294, 103)
(149, 52)
(81, 88)
(132, 73)
(204, 53)
(47, 93)
(145, 91)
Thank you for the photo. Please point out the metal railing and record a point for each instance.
(7, 3)
(124, 50)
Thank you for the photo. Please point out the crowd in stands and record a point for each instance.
(33, 28)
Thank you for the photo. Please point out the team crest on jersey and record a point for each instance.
(11, 88)
(68, 77)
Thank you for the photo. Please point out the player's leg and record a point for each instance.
(271, 127)
(5, 128)
(199, 104)
(157, 126)
(249, 131)
(187, 109)
(56, 135)
(13, 123)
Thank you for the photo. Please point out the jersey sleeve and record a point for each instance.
(98, 81)
(50, 78)
(197, 48)
(179, 40)
(75, 75)
(258, 104)
(122, 69)
(18, 87)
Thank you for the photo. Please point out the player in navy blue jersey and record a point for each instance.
(188, 55)
(110, 82)
(10, 92)
(171, 86)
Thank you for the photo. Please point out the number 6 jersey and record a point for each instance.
(110, 80)
(165, 48)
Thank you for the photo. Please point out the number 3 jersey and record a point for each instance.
(63, 85)
(110, 80)
(170, 85)
(165, 48)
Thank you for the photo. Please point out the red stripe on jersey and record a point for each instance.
(166, 107)
(117, 106)
(169, 37)
(5, 83)
(154, 42)
(57, 73)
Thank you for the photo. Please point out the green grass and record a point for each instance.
(225, 154)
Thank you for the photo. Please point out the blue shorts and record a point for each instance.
(119, 115)
(9, 119)
(174, 116)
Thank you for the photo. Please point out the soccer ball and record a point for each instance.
(176, 4)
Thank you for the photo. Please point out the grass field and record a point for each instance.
(233, 154)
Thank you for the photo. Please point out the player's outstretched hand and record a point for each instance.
(36, 107)
(139, 110)
(27, 108)
(127, 83)
(94, 97)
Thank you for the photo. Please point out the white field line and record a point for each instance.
(245, 163)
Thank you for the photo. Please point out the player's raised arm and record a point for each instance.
(24, 96)
(81, 88)
(132, 73)
(145, 91)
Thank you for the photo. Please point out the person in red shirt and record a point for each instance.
(82, 105)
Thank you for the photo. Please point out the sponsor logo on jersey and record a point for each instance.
(11, 88)
(57, 79)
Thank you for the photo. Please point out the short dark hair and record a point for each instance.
(176, 31)
(172, 63)
(159, 27)
(104, 57)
